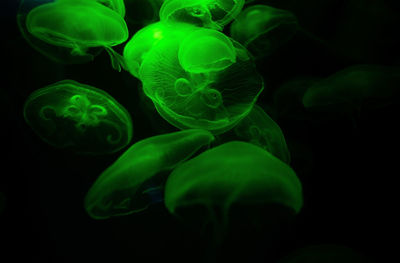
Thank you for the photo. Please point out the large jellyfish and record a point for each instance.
(260, 129)
(71, 115)
(78, 25)
(201, 79)
(354, 87)
(213, 14)
(262, 29)
(120, 189)
(234, 173)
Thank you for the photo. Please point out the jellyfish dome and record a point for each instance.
(202, 80)
(79, 117)
(213, 14)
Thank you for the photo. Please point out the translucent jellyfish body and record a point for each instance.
(232, 173)
(203, 80)
(262, 29)
(213, 14)
(353, 87)
(260, 129)
(78, 25)
(121, 188)
(116, 5)
(71, 115)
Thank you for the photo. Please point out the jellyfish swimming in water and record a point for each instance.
(116, 5)
(78, 25)
(200, 79)
(79, 117)
(354, 87)
(122, 188)
(262, 29)
(260, 129)
(213, 14)
(234, 173)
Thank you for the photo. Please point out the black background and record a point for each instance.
(348, 166)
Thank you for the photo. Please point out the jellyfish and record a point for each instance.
(213, 14)
(260, 129)
(142, 12)
(79, 117)
(262, 29)
(147, 38)
(116, 5)
(79, 25)
(328, 253)
(234, 173)
(121, 188)
(189, 90)
(353, 87)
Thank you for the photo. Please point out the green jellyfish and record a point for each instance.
(74, 116)
(262, 29)
(260, 129)
(120, 189)
(327, 253)
(213, 14)
(116, 5)
(147, 38)
(79, 25)
(234, 173)
(353, 87)
(212, 92)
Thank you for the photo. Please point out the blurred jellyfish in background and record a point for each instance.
(234, 173)
(354, 88)
(116, 5)
(141, 13)
(74, 25)
(262, 29)
(71, 115)
(199, 78)
(327, 253)
(260, 129)
(213, 14)
(123, 188)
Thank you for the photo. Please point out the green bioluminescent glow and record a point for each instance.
(232, 173)
(78, 25)
(213, 14)
(71, 115)
(262, 29)
(260, 129)
(118, 190)
(196, 77)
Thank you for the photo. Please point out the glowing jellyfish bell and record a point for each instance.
(74, 116)
(204, 80)
(262, 29)
(260, 129)
(78, 25)
(234, 173)
(121, 188)
(213, 14)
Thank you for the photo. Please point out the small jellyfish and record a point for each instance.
(327, 253)
(353, 87)
(262, 29)
(234, 173)
(79, 25)
(260, 129)
(212, 92)
(121, 188)
(147, 38)
(74, 116)
(213, 14)
(205, 51)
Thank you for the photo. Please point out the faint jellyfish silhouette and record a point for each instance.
(74, 116)
(141, 13)
(212, 91)
(213, 14)
(77, 25)
(260, 129)
(234, 173)
(262, 29)
(328, 253)
(116, 5)
(121, 188)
